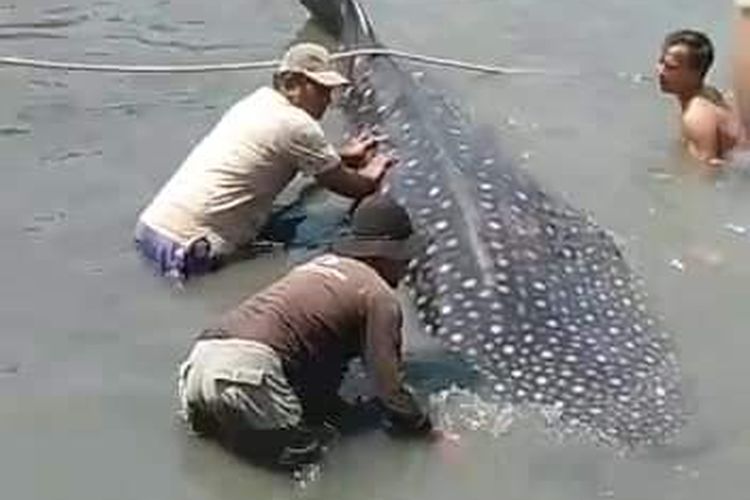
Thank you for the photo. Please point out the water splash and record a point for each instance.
(307, 475)
(457, 412)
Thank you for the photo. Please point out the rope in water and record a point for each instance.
(243, 66)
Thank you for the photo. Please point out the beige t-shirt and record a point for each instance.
(225, 188)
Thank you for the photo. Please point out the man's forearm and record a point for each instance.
(347, 182)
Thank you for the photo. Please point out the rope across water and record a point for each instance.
(254, 65)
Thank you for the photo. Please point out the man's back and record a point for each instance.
(317, 311)
(318, 317)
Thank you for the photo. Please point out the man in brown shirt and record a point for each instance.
(270, 370)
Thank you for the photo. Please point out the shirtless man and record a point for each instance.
(711, 124)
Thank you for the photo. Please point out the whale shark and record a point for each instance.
(526, 288)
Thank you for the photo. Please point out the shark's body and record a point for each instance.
(530, 291)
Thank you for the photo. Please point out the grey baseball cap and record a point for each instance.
(313, 61)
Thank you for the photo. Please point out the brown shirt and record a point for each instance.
(318, 317)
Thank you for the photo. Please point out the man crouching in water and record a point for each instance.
(712, 126)
(268, 373)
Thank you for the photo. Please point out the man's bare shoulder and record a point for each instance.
(701, 117)
(702, 110)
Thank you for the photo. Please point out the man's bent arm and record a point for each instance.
(382, 355)
(356, 183)
(382, 345)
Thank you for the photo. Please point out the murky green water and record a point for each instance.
(90, 341)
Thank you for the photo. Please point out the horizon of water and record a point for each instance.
(91, 341)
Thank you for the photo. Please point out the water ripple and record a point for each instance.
(47, 83)
(9, 368)
(11, 131)
(43, 221)
(30, 35)
(67, 156)
(163, 28)
(52, 23)
(125, 108)
(175, 44)
(60, 9)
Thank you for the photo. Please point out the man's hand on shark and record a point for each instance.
(360, 149)
(376, 168)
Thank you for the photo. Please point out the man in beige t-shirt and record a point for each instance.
(220, 198)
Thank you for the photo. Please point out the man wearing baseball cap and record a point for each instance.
(267, 374)
(220, 199)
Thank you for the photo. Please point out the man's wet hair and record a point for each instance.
(700, 48)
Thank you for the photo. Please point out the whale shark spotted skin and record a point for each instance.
(527, 289)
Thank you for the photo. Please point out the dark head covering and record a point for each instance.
(380, 227)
